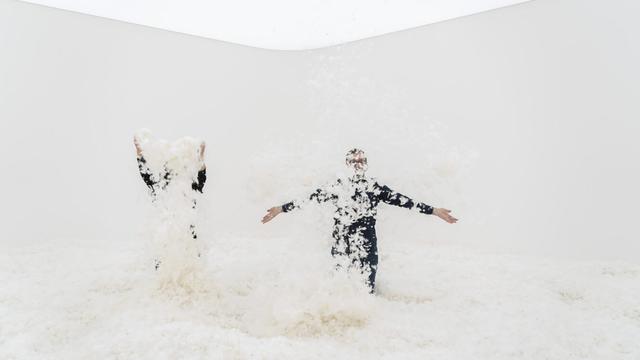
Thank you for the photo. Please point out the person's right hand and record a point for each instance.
(136, 142)
(271, 213)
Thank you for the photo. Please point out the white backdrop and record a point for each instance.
(521, 124)
(281, 24)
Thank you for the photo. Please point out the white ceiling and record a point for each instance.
(281, 24)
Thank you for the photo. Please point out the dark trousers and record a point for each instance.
(358, 242)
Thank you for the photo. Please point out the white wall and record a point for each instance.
(522, 120)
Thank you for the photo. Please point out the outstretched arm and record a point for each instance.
(320, 195)
(385, 194)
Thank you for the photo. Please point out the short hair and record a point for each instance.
(351, 153)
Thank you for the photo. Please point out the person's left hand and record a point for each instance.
(445, 215)
(201, 155)
(202, 147)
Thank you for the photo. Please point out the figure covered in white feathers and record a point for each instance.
(175, 174)
(356, 199)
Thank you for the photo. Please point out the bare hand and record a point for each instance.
(445, 215)
(136, 142)
(271, 213)
(202, 147)
(201, 155)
